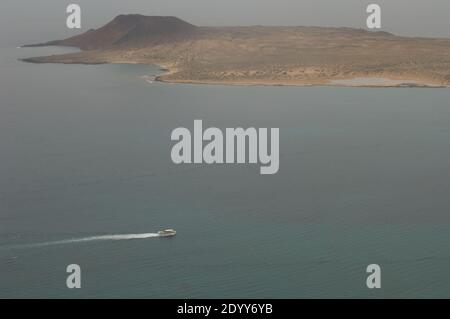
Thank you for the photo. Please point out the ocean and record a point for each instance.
(86, 178)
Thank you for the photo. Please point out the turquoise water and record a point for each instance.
(85, 151)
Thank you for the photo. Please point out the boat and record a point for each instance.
(167, 233)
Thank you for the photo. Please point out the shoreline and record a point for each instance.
(403, 85)
(348, 82)
(340, 83)
(281, 84)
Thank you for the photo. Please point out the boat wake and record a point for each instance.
(84, 240)
(149, 78)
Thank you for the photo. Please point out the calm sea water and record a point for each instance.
(85, 151)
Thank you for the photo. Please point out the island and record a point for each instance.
(262, 55)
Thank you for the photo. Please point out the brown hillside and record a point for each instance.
(131, 30)
(261, 55)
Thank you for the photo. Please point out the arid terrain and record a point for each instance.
(262, 55)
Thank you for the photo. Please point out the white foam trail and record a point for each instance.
(86, 239)
(148, 78)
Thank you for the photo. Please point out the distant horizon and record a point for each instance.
(404, 17)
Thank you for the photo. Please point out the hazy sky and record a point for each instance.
(25, 21)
